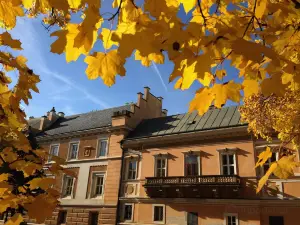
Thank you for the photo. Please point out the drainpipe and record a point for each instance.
(120, 185)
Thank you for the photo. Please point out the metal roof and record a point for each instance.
(188, 122)
(79, 122)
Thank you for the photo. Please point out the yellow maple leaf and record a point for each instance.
(65, 43)
(202, 100)
(15, 219)
(74, 4)
(220, 74)
(43, 183)
(188, 5)
(263, 157)
(106, 38)
(42, 201)
(4, 176)
(5, 188)
(6, 39)
(273, 85)
(9, 10)
(87, 30)
(250, 87)
(285, 167)
(260, 8)
(208, 77)
(222, 92)
(264, 179)
(107, 66)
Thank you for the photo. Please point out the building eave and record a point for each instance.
(238, 131)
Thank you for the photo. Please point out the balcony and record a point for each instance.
(217, 186)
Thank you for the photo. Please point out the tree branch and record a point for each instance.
(201, 11)
(116, 13)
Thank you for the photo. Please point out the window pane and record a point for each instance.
(230, 159)
(74, 149)
(191, 165)
(128, 212)
(163, 163)
(158, 213)
(132, 167)
(98, 185)
(231, 168)
(224, 159)
(192, 218)
(158, 164)
(68, 186)
(273, 158)
(103, 147)
(225, 170)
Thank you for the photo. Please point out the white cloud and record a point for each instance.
(156, 70)
(33, 48)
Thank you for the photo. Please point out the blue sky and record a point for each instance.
(66, 87)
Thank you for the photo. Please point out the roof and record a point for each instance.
(80, 122)
(188, 122)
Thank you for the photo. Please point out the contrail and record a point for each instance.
(156, 70)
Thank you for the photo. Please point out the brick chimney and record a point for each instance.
(50, 118)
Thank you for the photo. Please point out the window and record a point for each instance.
(192, 218)
(67, 186)
(161, 167)
(97, 185)
(228, 164)
(231, 219)
(93, 218)
(102, 148)
(276, 220)
(128, 212)
(158, 213)
(73, 150)
(53, 151)
(61, 219)
(132, 170)
(191, 165)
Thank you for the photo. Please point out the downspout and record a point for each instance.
(120, 185)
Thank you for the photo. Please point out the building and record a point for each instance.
(188, 169)
(90, 143)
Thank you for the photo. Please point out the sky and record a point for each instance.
(66, 87)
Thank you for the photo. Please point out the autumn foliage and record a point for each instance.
(260, 38)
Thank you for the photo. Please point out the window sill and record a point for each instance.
(67, 197)
(98, 197)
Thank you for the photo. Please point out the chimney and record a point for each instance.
(165, 112)
(146, 92)
(160, 98)
(44, 122)
(140, 96)
(52, 114)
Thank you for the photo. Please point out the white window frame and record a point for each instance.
(50, 148)
(93, 183)
(228, 151)
(156, 157)
(70, 149)
(132, 212)
(198, 159)
(164, 214)
(136, 160)
(231, 214)
(63, 188)
(99, 145)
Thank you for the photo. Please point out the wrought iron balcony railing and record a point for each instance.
(194, 180)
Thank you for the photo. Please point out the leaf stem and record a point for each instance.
(116, 13)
